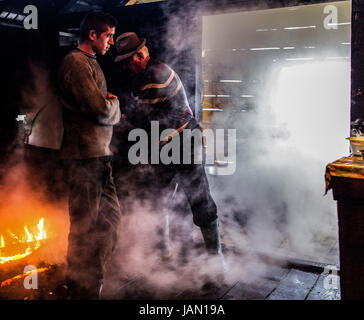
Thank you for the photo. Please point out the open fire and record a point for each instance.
(15, 247)
(22, 276)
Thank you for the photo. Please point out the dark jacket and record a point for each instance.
(158, 95)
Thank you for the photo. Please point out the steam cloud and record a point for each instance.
(274, 202)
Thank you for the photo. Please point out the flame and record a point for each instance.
(32, 238)
(2, 242)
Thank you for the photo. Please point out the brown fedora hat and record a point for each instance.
(127, 44)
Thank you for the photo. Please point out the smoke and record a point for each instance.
(274, 203)
(143, 267)
(140, 254)
(31, 185)
(298, 126)
(39, 89)
(23, 204)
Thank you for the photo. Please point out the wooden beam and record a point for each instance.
(130, 2)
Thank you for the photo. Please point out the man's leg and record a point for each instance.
(85, 190)
(90, 189)
(108, 221)
(194, 182)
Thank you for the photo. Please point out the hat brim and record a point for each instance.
(129, 54)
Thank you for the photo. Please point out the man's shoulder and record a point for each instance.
(75, 56)
(158, 66)
(158, 71)
(76, 61)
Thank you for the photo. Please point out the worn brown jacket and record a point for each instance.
(88, 115)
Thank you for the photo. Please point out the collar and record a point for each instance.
(93, 56)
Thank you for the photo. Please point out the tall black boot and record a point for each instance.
(76, 291)
(211, 237)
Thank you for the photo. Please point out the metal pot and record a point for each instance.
(356, 145)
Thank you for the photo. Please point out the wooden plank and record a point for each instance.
(209, 293)
(326, 288)
(260, 288)
(251, 291)
(295, 286)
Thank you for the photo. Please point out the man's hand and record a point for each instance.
(111, 96)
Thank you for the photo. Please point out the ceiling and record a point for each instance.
(11, 12)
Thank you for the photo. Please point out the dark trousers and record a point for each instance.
(193, 181)
(191, 178)
(94, 218)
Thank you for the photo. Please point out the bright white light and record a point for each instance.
(313, 102)
(20, 17)
(264, 30)
(346, 43)
(299, 59)
(337, 58)
(288, 48)
(309, 47)
(82, 3)
(212, 109)
(269, 48)
(233, 81)
(4, 14)
(339, 24)
(20, 117)
(224, 96)
(209, 95)
(11, 16)
(303, 27)
(246, 96)
(66, 34)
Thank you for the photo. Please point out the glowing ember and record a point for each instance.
(21, 276)
(32, 238)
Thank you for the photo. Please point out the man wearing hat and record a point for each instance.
(156, 93)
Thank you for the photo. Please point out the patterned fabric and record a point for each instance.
(159, 95)
(346, 167)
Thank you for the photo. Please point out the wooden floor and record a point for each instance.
(298, 281)
(278, 283)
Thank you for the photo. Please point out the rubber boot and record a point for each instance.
(211, 237)
(166, 252)
(79, 292)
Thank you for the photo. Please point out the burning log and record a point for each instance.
(26, 243)
(22, 276)
(49, 280)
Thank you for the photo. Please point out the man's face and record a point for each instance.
(102, 43)
(138, 62)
